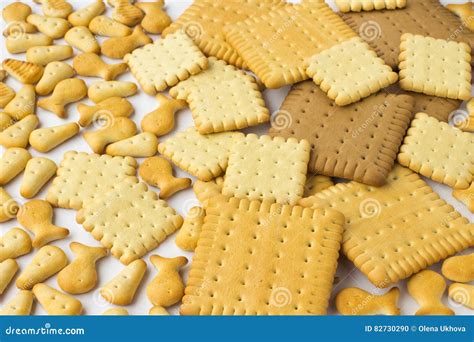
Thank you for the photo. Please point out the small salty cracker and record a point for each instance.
(466, 196)
(435, 67)
(130, 220)
(222, 98)
(359, 141)
(398, 229)
(369, 5)
(350, 71)
(439, 151)
(166, 62)
(270, 275)
(276, 46)
(204, 22)
(203, 156)
(316, 183)
(267, 168)
(81, 177)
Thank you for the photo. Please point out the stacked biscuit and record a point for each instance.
(271, 223)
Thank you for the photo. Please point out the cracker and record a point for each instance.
(119, 47)
(161, 121)
(267, 168)
(462, 294)
(82, 39)
(270, 275)
(204, 22)
(359, 141)
(104, 110)
(91, 65)
(44, 55)
(81, 177)
(369, 5)
(438, 151)
(6, 94)
(8, 269)
(203, 156)
(115, 312)
(276, 45)
(459, 268)
(56, 8)
(25, 72)
(47, 138)
(8, 206)
(55, 28)
(465, 12)
(5, 121)
(355, 301)
(155, 19)
(379, 236)
(17, 134)
(116, 130)
(38, 172)
(141, 145)
(105, 26)
(54, 73)
(18, 42)
(129, 220)
(435, 67)
(466, 196)
(126, 13)
(206, 190)
(83, 16)
(55, 302)
(383, 29)
(23, 104)
(158, 311)
(21, 304)
(12, 162)
(103, 90)
(316, 183)
(65, 92)
(189, 232)
(166, 62)
(17, 11)
(14, 243)
(212, 100)
(350, 71)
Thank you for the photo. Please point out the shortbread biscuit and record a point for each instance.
(55, 302)
(188, 235)
(103, 90)
(126, 13)
(271, 272)
(45, 139)
(54, 73)
(8, 269)
(105, 26)
(462, 294)
(369, 5)
(266, 168)
(355, 301)
(25, 72)
(55, 28)
(203, 156)
(65, 92)
(83, 16)
(20, 305)
(82, 39)
(376, 238)
(465, 12)
(17, 135)
(81, 177)
(204, 22)
(56, 8)
(179, 57)
(13, 161)
(161, 120)
(38, 172)
(104, 110)
(359, 141)
(91, 65)
(459, 268)
(23, 104)
(270, 55)
(118, 129)
(8, 206)
(427, 288)
(138, 146)
(155, 19)
(217, 110)
(14, 243)
(137, 221)
(118, 47)
(448, 160)
(350, 71)
(435, 67)
(6, 94)
(20, 42)
(44, 55)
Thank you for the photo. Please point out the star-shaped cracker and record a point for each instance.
(81, 177)
(267, 168)
(203, 156)
(435, 67)
(129, 219)
(166, 62)
(222, 98)
(263, 258)
(398, 229)
(359, 141)
(439, 151)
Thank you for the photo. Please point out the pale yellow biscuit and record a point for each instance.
(81, 177)
(37, 216)
(6, 94)
(25, 72)
(203, 156)
(155, 19)
(178, 58)
(427, 288)
(212, 100)
(103, 90)
(158, 311)
(65, 92)
(188, 235)
(19, 27)
(14, 243)
(43, 55)
(82, 39)
(355, 301)
(465, 12)
(8, 269)
(119, 47)
(48, 261)
(369, 5)
(462, 294)
(20, 305)
(126, 13)
(104, 111)
(206, 190)
(83, 16)
(136, 221)
(138, 146)
(459, 268)
(8, 206)
(115, 312)
(20, 42)
(267, 168)
(54, 73)
(117, 129)
(23, 104)
(16, 11)
(45, 139)
(55, 302)
(91, 65)
(38, 172)
(121, 289)
(56, 8)
(17, 135)
(438, 151)
(435, 67)
(316, 183)
(466, 196)
(350, 71)
(161, 121)
(105, 26)
(55, 28)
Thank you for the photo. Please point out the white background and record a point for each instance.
(109, 266)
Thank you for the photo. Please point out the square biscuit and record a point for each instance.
(350, 71)
(435, 67)
(267, 168)
(438, 151)
(203, 156)
(81, 177)
(257, 258)
(398, 229)
(358, 142)
(129, 220)
(167, 61)
(369, 5)
(276, 46)
(222, 98)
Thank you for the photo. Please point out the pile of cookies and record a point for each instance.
(373, 107)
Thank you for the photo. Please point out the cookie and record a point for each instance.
(55, 302)
(20, 305)
(126, 13)
(48, 138)
(269, 276)
(105, 26)
(104, 111)
(24, 72)
(103, 90)
(459, 268)
(115, 312)
(8, 206)
(44, 55)
(214, 106)
(369, 5)
(17, 135)
(82, 39)
(355, 301)
(316, 183)
(188, 234)
(19, 42)
(359, 141)
(56, 8)
(119, 47)
(12, 163)
(6, 94)
(8, 269)
(14, 243)
(91, 65)
(38, 172)
(54, 73)
(23, 104)
(462, 294)
(465, 12)
(5, 121)
(161, 120)
(65, 92)
(16, 11)
(55, 28)
(117, 130)
(83, 16)
(155, 19)
(138, 146)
